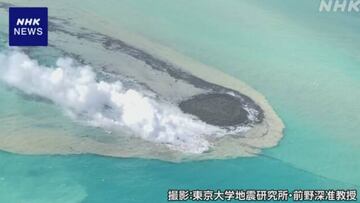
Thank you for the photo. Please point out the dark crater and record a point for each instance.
(216, 109)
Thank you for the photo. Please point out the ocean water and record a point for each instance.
(306, 63)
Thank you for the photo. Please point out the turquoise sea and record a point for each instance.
(306, 63)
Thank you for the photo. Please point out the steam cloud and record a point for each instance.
(103, 104)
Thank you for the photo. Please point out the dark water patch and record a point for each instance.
(216, 109)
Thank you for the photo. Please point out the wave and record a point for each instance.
(109, 105)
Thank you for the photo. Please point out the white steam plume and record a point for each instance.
(104, 104)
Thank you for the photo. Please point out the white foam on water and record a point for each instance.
(110, 106)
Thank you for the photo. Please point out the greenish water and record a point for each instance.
(305, 62)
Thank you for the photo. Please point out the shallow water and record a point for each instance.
(102, 179)
(306, 63)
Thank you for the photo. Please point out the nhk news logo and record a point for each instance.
(28, 26)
